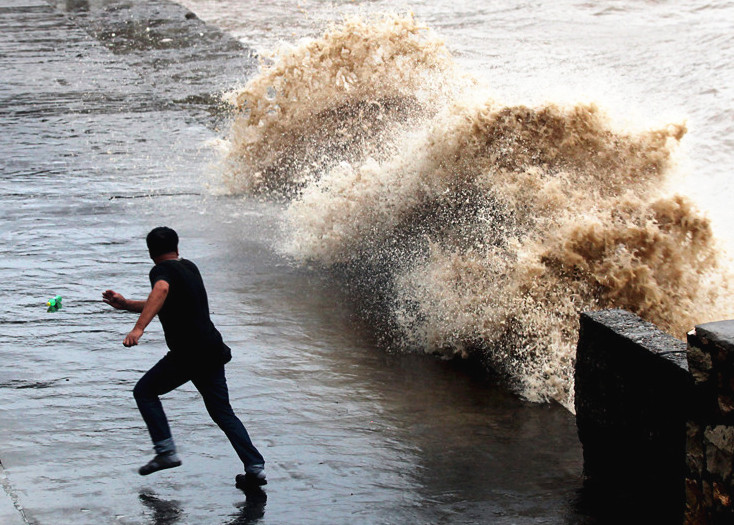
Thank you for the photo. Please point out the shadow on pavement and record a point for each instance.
(169, 512)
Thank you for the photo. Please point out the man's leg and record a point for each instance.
(161, 379)
(213, 387)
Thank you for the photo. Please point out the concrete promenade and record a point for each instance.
(81, 84)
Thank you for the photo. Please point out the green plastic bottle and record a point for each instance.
(54, 305)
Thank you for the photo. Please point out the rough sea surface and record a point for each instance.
(343, 238)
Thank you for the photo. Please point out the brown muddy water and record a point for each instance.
(106, 109)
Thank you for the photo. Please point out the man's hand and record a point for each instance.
(114, 299)
(133, 337)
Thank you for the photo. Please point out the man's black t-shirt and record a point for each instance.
(190, 333)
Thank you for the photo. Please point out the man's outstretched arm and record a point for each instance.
(151, 307)
(116, 300)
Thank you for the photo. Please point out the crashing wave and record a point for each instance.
(467, 228)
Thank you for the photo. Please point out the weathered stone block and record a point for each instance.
(694, 449)
(721, 497)
(719, 333)
(708, 495)
(726, 405)
(711, 361)
(695, 512)
(719, 446)
(699, 364)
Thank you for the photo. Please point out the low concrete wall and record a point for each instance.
(658, 439)
(632, 389)
(710, 453)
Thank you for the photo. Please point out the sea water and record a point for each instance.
(457, 176)
(480, 176)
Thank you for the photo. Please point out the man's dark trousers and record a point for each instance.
(170, 373)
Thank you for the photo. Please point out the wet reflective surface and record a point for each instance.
(96, 151)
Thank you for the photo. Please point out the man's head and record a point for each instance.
(161, 240)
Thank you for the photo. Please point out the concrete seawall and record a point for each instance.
(655, 417)
(632, 383)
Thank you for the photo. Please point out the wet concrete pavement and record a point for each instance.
(82, 100)
(104, 108)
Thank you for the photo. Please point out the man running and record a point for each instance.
(197, 353)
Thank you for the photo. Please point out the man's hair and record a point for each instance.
(161, 240)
